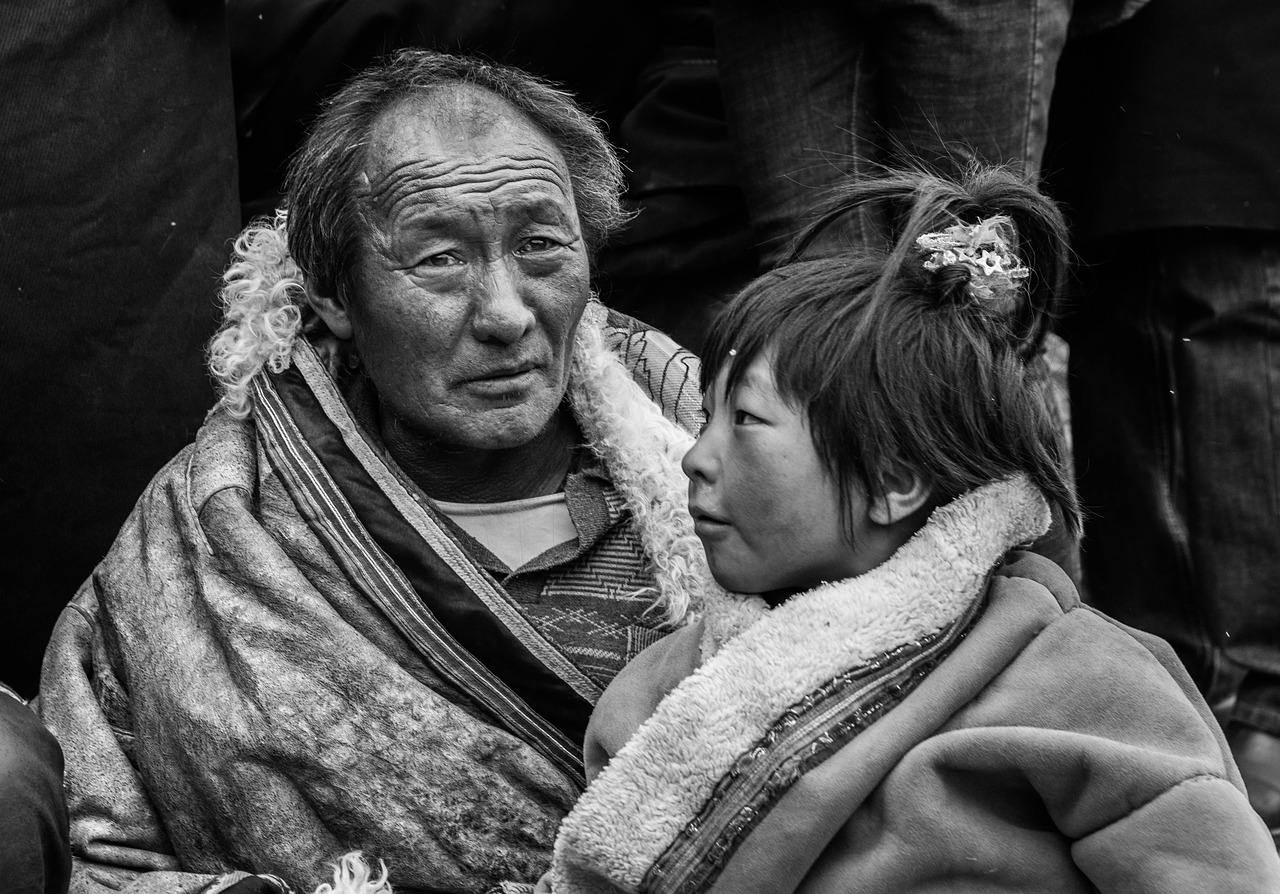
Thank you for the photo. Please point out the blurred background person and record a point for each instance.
(35, 846)
(117, 139)
(817, 92)
(1164, 144)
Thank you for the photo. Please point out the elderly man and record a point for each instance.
(372, 606)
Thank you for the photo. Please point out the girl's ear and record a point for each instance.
(903, 493)
(334, 313)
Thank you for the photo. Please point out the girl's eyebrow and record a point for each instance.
(753, 379)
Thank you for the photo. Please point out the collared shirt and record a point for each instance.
(591, 595)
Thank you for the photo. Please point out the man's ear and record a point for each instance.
(902, 494)
(334, 313)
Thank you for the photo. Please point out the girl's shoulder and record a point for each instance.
(1033, 568)
(1068, 667)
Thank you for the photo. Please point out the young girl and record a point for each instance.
(907, 700)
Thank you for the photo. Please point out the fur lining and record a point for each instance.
(263, 304)
(661, 778)
(352, 875)
(642, 450)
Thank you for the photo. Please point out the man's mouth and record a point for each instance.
(509, 371)
(504, 379)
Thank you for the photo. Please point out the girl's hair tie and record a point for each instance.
(983, 250)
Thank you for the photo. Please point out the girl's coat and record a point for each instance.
(931, 725)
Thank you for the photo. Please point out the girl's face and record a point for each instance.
(763, 503)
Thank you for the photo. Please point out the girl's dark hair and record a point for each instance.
(900, 367)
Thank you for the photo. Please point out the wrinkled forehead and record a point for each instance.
(458, 136)
(460, 111)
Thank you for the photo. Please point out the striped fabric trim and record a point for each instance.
(803, 737)
(372, 570)
(433, 534)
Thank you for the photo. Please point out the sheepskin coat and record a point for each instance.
(934, 725)
(256, 680)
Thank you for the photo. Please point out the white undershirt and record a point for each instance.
(517, 530)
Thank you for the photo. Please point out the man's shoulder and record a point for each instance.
(224, 455)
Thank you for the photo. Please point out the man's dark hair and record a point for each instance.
(897, 367)
(326, 216)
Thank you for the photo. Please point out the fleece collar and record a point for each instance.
(642, 450)
(661, 778)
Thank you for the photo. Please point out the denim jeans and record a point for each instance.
(818, 91)
(1175, 389)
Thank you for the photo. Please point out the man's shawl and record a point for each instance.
(286, 656)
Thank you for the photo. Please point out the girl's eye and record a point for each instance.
(742, 417)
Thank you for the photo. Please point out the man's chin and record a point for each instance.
(502, 428)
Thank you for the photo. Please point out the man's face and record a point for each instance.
(473, 275)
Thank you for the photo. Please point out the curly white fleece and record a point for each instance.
(352, 875)
(661, 778)
(263, 298)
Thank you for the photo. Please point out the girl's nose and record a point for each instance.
(698, 462)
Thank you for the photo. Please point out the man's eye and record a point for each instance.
(538, 243)
(443, 259)
(742, 417)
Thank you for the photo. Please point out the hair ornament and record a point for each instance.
(983, 249)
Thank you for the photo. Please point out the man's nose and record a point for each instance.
(501, 313)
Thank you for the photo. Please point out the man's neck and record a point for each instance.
(471, 475)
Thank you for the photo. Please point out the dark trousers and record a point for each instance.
(35, 850)
(1175, 390)
(817, 91)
